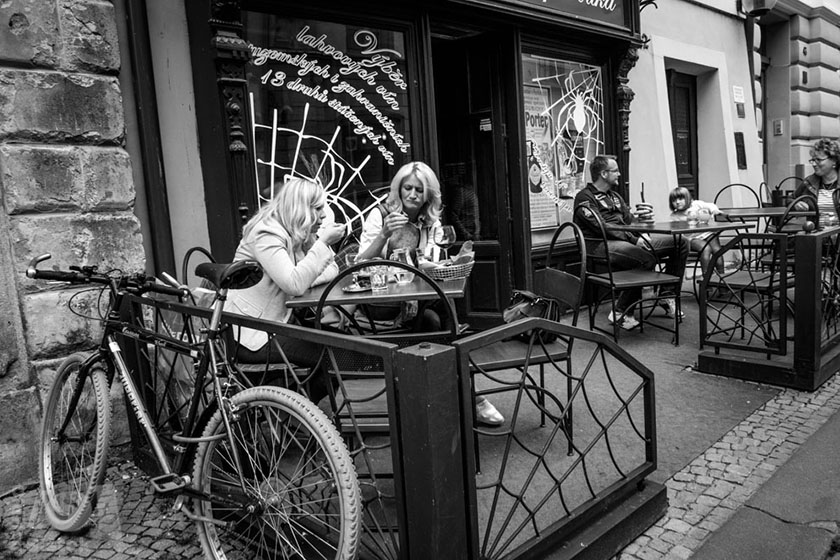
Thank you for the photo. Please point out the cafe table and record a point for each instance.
(417, 289)
(346, 297)
(757, 213)
(677, 228)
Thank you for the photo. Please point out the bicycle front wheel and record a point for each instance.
(281, 484)
(74, 440)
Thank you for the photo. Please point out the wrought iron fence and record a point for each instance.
(747, 307)
(570, 448)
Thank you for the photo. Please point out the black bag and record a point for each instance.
(525, 304)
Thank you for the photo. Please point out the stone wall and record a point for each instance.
(65, 189)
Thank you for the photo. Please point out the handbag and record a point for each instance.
(524, 304)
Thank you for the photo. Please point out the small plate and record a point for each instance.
(354, 288)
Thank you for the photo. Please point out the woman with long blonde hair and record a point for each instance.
(291, 240)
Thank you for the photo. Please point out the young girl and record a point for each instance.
(705, 243)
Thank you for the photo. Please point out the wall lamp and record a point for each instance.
(755, 8)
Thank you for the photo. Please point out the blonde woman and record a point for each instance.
(408, 216)
(291, 240)
(407, 220)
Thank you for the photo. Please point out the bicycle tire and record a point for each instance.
(72, 464)
(300, 482)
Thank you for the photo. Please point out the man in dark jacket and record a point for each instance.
(628, 250)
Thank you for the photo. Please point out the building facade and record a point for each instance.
(731, 97)
(132, 131)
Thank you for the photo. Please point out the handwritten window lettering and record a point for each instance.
(564, 130)
(327, 91)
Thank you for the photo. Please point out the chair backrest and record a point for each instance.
(563, 286)
(185, 264)
(599, 263)
(397, 336)
(739, 196)
(793, 224)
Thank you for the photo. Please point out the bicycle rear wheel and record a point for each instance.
(299, 497)
(74, 440)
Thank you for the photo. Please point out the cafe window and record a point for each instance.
(564, 130)
(328, 101)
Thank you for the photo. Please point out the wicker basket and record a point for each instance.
(451, 272)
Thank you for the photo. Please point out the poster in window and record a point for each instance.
(541, 184)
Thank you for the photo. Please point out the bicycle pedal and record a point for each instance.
(168, 483)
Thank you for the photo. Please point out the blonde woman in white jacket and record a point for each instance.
(291, 240)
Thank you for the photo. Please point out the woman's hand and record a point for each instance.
(393, 222)
(332, 233)
(801, 206)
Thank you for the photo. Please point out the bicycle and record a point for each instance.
(270, 477)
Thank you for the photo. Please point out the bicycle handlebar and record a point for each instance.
(136, 283)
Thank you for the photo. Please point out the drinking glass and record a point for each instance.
(350, 259)
(691, 215)
(703, 216)
(402, 275)
(444, 237)
(378, 278)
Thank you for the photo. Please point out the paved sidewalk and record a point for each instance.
(130, 524)
(707, 493)
(741, 487)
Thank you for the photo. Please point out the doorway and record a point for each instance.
(682, 97)
(472, 151)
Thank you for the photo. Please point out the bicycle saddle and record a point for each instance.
(234, 276)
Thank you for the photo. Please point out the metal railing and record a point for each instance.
(414, 444)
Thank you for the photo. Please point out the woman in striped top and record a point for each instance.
(825, 157)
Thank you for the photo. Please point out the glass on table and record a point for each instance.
(444, 237)
(378, 277)
(703, 216)
(350, 259)
(691, 216)
(402, 275)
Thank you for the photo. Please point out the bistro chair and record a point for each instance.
(358, 401)
(549, 282)
(567, 288)
(746, 194)
(782, 197)
(608, 284)
(747, 306)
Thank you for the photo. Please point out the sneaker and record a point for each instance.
(486, 413)
(626, 322)
(670, 307)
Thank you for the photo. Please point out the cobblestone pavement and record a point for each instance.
(129, 523)
(704, 494)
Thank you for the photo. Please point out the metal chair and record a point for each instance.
(748, 196)
(611, 283)
(564, 287)
(359, 402)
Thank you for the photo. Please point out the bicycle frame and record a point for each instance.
(111, 354)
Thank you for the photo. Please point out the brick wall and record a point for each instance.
(65, 189)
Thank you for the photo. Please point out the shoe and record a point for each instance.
(626, 322)
(486, 413)
(670, 307)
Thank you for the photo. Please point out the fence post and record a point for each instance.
(428, 404)
(807, 298)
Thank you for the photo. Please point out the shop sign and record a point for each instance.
(606, 11)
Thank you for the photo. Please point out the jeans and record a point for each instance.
(627, 256)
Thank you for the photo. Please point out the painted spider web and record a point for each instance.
(314, 158)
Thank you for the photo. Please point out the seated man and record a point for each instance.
(628, 250)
